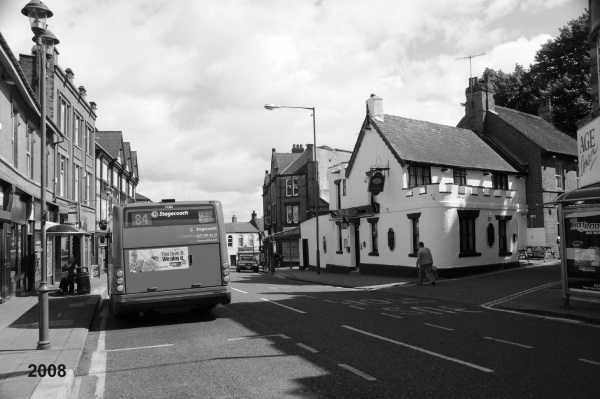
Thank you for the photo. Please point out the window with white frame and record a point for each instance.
(291, 187)
(15, 137)
(240, 240)
(230, 241)
(123, 184)
(61, 179)
(105, 170)
(30, 152)
(88, 187)
(77, 130)
(559, 176)
(291, 212)
(251, 240)
(76, 187)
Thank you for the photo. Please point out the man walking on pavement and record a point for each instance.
(425, 264)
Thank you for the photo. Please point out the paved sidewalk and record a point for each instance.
(545, 302)
(70, 318)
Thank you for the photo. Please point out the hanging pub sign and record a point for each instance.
(355, 212)
(582, 243)
(376, 182)
(588, 140)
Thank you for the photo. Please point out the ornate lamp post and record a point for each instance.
(38, 13)
(271, 107)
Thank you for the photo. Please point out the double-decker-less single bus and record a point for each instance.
(168, 254)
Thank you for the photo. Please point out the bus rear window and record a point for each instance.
(169, 217)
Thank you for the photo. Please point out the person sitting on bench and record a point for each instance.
(68, 282)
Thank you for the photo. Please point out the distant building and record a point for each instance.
(141, 198)
(116, 181)
(288, 194)
(244, 236)
(546, 156)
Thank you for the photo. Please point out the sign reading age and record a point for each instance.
(587, 149)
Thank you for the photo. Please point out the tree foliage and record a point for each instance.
(561, 72)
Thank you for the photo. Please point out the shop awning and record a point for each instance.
(590, 193)
(65, 230)
(291, 233)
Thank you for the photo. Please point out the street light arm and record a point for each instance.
(272, 107)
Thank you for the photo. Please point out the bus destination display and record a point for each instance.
(169, 217)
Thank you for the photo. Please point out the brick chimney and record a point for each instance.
(70, 74)
(234, 219)
(480, 99)
(375, 107)
(545, 109)
(297, 149)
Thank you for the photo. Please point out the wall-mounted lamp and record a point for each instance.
(486, 173)
(444, 169)
(344, 223)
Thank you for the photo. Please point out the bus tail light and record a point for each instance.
(119, 282)
(225, 272)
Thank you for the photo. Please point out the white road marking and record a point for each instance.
(356, 307)
(98, 362)
(243, 292)
(327, 300)
(357, 372)
(138, 347)
(308, 348)
(443, 328)
(273, 288)
(509, 342)
(259, 336)
(283, 306)
(392, 315)
(518, 294)
(590, 361)
(484, 369)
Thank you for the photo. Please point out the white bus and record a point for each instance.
(168, 254)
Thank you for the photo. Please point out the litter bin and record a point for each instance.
(82, 278)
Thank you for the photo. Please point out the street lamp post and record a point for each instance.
(38, 12)
(271, 107)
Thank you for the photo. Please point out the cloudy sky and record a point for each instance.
(186, 80)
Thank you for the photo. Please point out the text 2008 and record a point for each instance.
(52, 370)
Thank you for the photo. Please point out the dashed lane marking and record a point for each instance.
(356, 307)
(308, 348)
(484, 369)
(509, 342)
(358, 372)
(243, 292)
(443, 328)
(283, 306)
(392, 315)
(590, 361)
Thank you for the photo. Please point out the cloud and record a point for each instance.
(186, 81)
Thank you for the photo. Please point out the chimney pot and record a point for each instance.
(375, 107)
(69, 73)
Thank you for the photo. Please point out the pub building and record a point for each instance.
(410, 181)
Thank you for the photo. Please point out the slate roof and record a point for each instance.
(240, 227)
(111, 141)
(283, 160)
(298, 165)
(540, 131)
(431, 143)
(141, 198)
